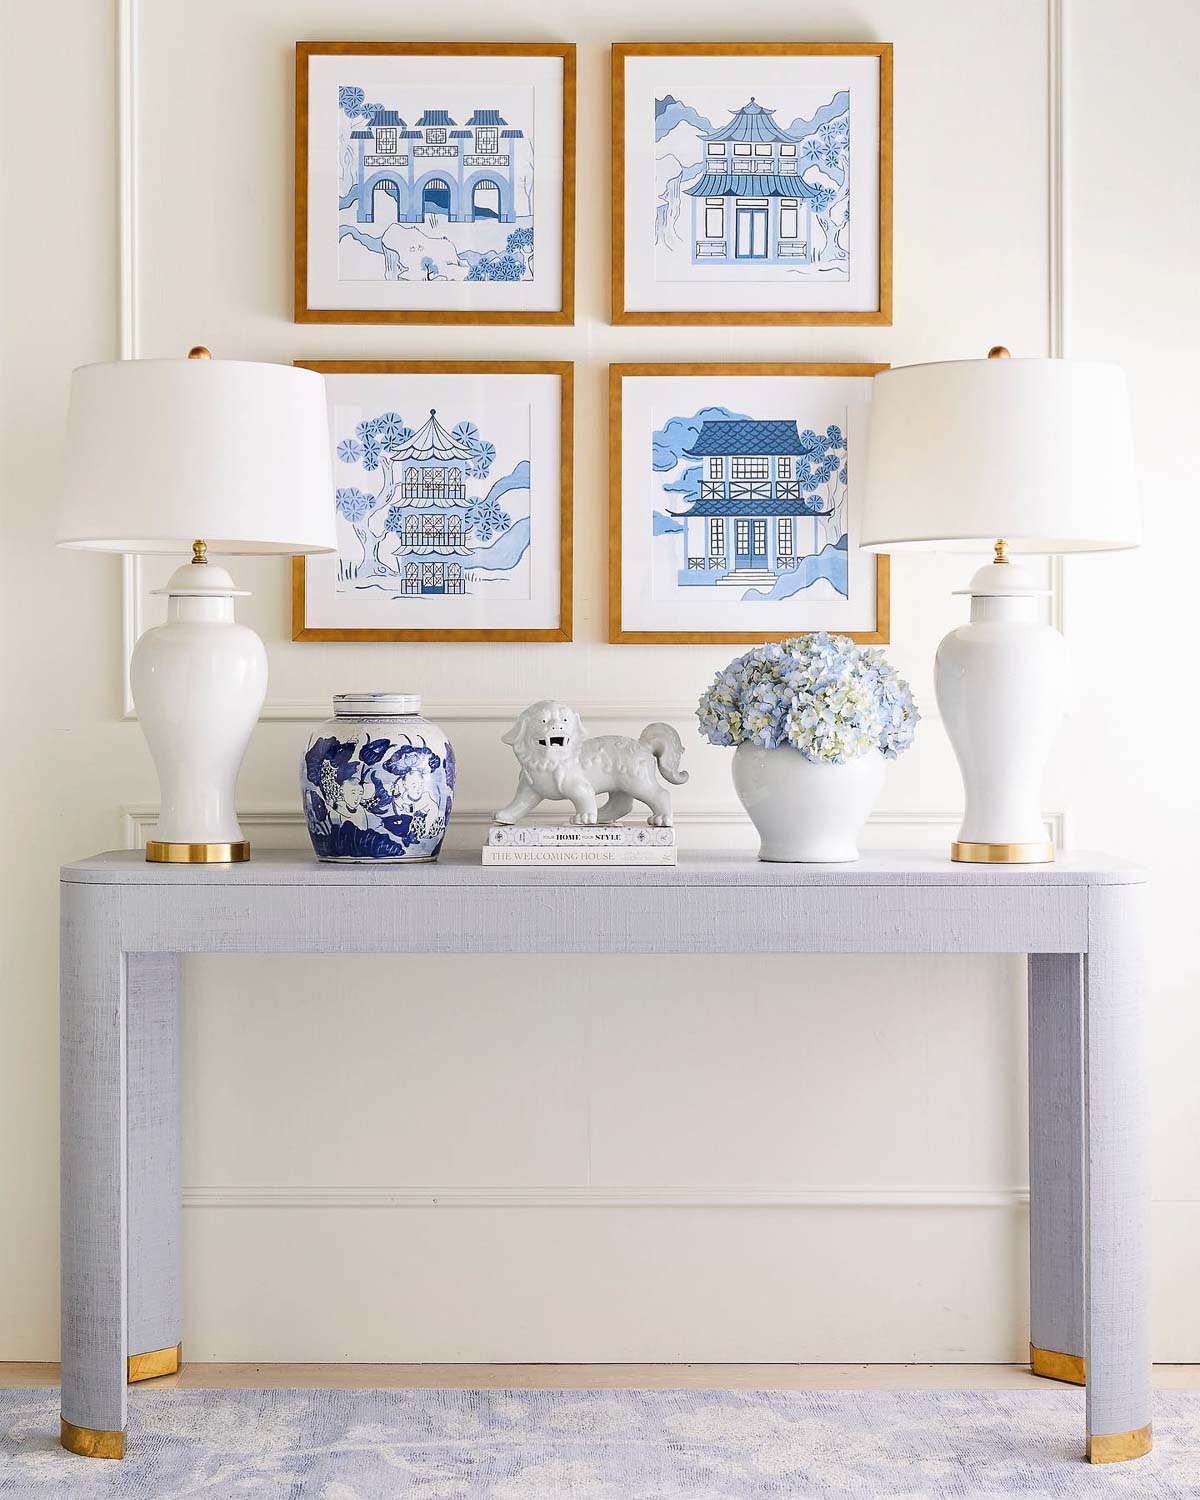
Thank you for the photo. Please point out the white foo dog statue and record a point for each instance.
(557, 760)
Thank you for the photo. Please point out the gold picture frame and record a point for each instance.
(565, 371)
(880, 316)
(303, 313)
(617, 634)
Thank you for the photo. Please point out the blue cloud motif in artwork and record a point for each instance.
(518, 479)
(686, 485)
(680, 433)
(669, 111)
(838, 105)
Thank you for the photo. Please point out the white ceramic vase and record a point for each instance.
(806, 812)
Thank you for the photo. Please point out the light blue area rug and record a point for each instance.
(594, 1445)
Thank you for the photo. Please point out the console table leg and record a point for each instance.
(1117, 1202)
(155, 1317)
(1056, 1259)
(93, 1172)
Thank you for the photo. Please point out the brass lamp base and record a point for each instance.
(160, 853)
(1002, 854)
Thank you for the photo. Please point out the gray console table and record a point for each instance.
(125, 924)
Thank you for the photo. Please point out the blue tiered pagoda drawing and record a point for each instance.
(424, 530)
(435, 167)
(750, 522)
(751, 203)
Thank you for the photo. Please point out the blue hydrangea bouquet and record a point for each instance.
(813, 719)
(821, 694)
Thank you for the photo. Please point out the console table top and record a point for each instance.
(461, 868)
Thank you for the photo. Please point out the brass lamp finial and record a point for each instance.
(1001, 551)
(998, 351)
(198, 351)
(199, 551)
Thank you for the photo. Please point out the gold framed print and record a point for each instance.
(734, 165)
(435, 182)
(453, 485)
(732, 504)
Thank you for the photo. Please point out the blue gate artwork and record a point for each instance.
(443, 168)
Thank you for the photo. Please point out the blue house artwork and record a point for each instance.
(765, 502)
(751, 522)
(751, 203)
(764, 196)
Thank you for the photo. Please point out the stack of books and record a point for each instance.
(576, 844)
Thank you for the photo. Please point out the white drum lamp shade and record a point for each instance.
(1035, 456)
(162, 451)
(197, 454)
(1037, 451)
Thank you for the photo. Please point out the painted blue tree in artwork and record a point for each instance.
(486, 517)
(822, 475)
(355, 505)
(522, 240)
(825, 154)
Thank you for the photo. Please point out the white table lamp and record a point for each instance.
(167, 455)
(1031, 456)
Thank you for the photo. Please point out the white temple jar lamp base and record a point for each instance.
(806, 812)
(1002, 682)
(198, 685)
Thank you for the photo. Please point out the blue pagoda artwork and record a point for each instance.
(419, 523)
(752, 521)
(463, 173)
(427, 517)
(751, 202)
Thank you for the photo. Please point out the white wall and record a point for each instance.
(632, 1158)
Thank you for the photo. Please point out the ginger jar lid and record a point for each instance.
(375, 705)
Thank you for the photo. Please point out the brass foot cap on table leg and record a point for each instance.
(159, 852)
(966, 853)
(1054, 1366)
(1119, 1447)
(90, 1442)
(155, 1363)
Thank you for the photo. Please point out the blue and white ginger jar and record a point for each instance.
(377, 781)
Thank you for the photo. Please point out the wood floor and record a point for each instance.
(599, 1377)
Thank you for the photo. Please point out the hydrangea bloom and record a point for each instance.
(821, 694)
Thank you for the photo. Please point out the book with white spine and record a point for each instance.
(579, 836)
(576, 854)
